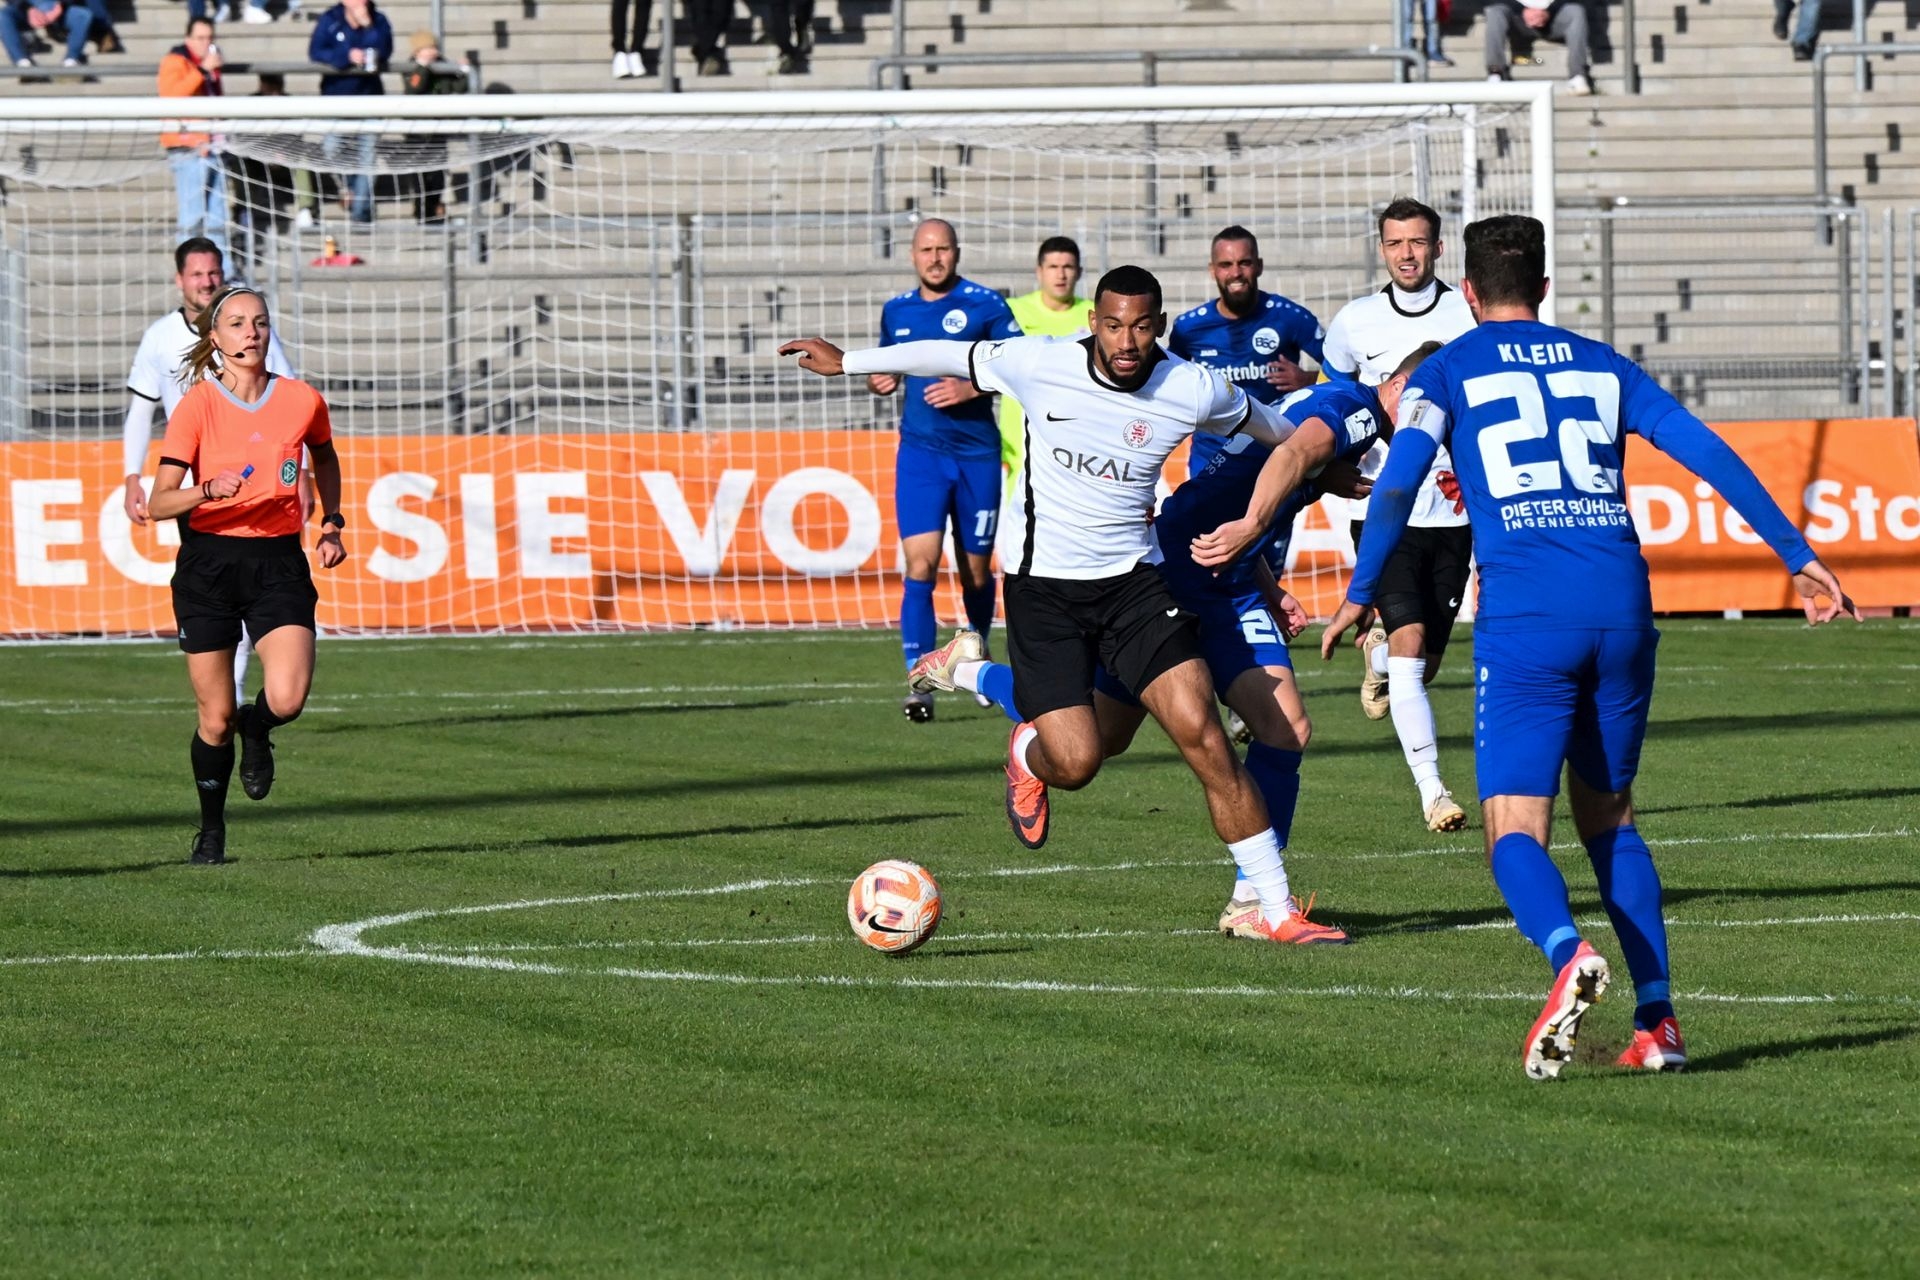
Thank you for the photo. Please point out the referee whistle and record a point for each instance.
(248, 472)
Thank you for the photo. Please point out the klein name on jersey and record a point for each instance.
(1538, 353)
(1092, 465)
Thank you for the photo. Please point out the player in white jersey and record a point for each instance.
(155, 379)
(1421, 590)
(1102, 414)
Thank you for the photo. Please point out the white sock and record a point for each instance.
(966, 675)
(1413, 721)
(1379, 659)
(1022, 740)
(1259, 857)
(242, 653)
(1243, 892)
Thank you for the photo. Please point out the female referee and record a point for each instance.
(240, 559)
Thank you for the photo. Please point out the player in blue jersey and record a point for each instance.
(1245, 618)
(1251, 338)
(1564, 642)
(948, 467)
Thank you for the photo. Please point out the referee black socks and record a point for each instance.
(264, 721)
(212, 771)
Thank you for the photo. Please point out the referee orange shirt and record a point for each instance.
(213, 430)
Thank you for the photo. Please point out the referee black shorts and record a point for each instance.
(1424, 581)
(1060, 629)
(221, 582)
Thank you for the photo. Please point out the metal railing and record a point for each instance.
(151, 74)
(1851, 365)
(1820, 177)
(1148, 60)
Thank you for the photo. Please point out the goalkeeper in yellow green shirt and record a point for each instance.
(1053, 310)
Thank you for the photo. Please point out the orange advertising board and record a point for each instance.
(1852, 485)
(797, 528)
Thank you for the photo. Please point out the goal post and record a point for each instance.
(557, 404)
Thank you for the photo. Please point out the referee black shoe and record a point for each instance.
(209, 848)
(256, 757)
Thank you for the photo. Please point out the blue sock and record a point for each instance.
(1277, 774)
(1630, 891)
(919, 631)
(979, 602)
(996, 682)
(1536, 893)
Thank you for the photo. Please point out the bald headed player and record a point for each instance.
(948, 467)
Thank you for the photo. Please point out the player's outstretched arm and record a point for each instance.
(1820, 595)
(1306, 447)
(817, 355)
(1697, 447)
(1408, 458)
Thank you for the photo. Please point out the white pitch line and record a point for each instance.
(348, 939)
(152, 957)
(1089, 935)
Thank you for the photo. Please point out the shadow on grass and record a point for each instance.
(1834, 796)
(599, 840)
(669, 788)
(113, 869)
(1771, 1050)
(1360, 922)
(547, 717)
(604, 839)
(936, 952)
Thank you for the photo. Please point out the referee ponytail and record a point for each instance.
(203, 358)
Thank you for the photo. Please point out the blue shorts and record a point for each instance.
(1237, 634)
(930, 488)
(1544, 697)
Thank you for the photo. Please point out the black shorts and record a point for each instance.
(1060, 629)
(221, 582)
(1424, 581)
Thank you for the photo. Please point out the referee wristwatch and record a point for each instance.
(333, 518)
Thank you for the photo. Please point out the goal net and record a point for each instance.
(550, 355)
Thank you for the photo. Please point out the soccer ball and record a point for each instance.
(894, 906)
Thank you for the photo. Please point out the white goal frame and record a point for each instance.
(436, 527)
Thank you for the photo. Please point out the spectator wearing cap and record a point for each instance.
(424, 76)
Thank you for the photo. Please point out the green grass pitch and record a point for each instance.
(660, 1072)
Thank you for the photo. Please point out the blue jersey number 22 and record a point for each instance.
(1575, 436)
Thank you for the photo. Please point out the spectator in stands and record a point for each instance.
(430, 149)
(710, 20)
(1806, 33)
(40, 15)
(790, 24)
(354, 37)
(1561, 20)
(105, 38)
(627, 64)
(260, 189)
(1432, 15)
(192, 70)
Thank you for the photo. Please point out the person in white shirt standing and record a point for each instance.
(1101, 416)
(1421, 589)
(199, 274)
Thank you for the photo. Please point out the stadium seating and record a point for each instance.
(1724, 113)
